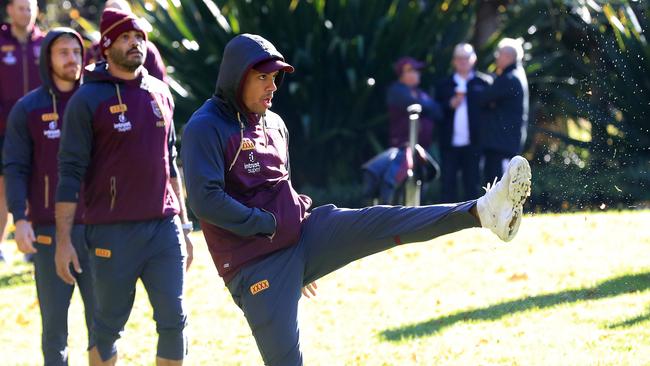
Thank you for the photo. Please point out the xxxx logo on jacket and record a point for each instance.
(247, 144)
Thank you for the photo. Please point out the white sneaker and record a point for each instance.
(501, 208)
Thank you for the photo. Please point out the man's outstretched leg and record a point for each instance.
(334, 237)
(268, 292)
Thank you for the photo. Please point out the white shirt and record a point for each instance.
(460, 136)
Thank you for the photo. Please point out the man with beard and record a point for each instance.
(265, 240)
(30, 166)
(119, 138)
(20, 46)
(152, 62)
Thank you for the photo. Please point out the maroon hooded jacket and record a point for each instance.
(18, 69)
(32, 142)
(237, 168)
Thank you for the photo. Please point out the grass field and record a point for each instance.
(571, 289)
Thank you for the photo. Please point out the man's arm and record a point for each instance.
(401, 96)
(16, 160)
(65, 253)
(17, 166)
(444, 94)
(204, 168)
(174, 175)
(177, 186)
(501, 88)
(430, 107)
(74, 157)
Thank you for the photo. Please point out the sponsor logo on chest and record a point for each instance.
(8, 58)
(52, 131)
(252, 166)
(122, 124)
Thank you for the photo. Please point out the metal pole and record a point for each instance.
(413, 186)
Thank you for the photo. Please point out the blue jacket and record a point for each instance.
(508, 99)
(478, 115)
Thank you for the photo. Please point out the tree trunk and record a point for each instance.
(487, 21)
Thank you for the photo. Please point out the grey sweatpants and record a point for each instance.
(268, 291)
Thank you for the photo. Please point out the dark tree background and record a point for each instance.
(588, 65)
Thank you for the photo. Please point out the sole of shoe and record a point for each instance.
(518, 191)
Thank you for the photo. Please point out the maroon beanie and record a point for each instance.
(115, 22)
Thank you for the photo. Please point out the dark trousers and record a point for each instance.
(495, 163)
(268, 291)
(463, 160)
(153, 251)
(54, 295)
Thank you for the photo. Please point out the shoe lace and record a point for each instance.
(489, 186)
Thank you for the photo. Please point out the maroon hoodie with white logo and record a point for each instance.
(118, 137)
(18, 69)
(32, 143)
(237, 169)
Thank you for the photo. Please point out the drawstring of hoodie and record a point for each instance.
(54, 106)
(119, 100)
(241, 141)
(241, 137)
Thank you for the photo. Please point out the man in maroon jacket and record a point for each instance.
(265, 239)
(20, 47)
(118, 137)
(30, 167)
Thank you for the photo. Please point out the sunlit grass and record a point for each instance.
(570, 290)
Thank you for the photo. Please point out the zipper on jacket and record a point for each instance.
(113, 192)
(47, 190)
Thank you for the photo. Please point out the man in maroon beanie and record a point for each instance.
(152, 62)
(119, 138)
(20, 48)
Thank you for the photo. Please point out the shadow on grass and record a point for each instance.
(610, 288)
(17, 278)
(630, 322)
